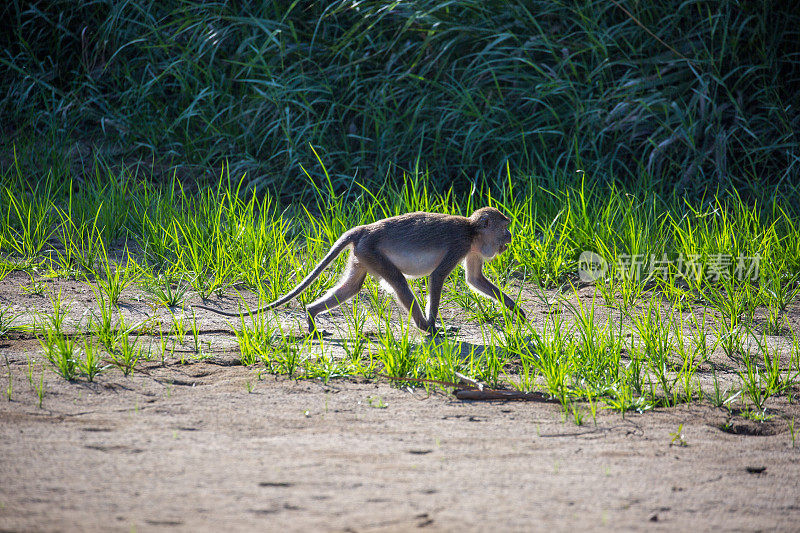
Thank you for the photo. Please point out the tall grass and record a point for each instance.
(632, 346)
(686, 96)
(742, 255)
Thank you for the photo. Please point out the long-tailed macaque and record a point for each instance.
(410, 246)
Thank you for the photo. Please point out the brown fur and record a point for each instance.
(411, 245)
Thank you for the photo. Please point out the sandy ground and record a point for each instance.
(210, 444)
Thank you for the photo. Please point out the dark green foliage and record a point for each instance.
(457, 87)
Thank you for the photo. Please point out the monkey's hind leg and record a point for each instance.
(392, 275)
(350, 283)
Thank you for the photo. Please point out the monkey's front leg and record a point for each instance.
(477, 281)
(483, 285)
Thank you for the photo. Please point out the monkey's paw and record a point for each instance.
(319, 333)
(445, 330)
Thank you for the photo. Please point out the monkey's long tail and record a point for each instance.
(338, 247)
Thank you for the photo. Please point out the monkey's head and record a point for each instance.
(493, 236)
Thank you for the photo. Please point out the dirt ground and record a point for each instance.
(210, 444)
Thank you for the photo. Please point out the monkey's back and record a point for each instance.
(421, 230)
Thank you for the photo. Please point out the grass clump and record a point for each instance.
(58, 346)
(125, 353)
(91, 364)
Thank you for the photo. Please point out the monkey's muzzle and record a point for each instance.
(505, 243)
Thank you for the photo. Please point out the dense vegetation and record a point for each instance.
(686, 96)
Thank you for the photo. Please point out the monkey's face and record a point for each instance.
(506, 238)
(506, 241)
(494, 234)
